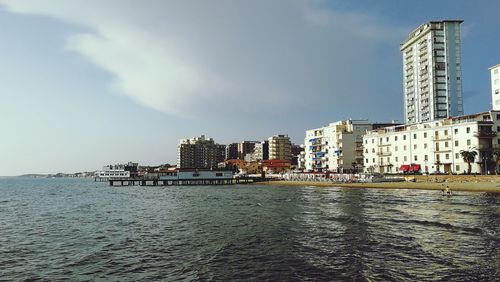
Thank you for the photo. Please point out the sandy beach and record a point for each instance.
(489, 184)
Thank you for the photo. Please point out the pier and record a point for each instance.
(182, 182)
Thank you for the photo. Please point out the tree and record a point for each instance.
(468, 157)
(354, 165)
(496, 154)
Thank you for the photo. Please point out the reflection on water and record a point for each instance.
(76, 229)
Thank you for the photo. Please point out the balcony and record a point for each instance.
(485, 134)
(384, 144)
(442, 150)
(384, 154)
(359, 148)
(441, 137)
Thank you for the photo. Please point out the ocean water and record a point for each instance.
(76, 229)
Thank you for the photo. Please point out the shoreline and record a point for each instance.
(487, 187)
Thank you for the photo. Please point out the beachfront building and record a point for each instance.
(261, 152)
(432, 73)
(280, 147)
(335, 147)
(296, 154)
(200, 152)
(433, 146)
(117, 171)
(246, 147)
(495, 87)
(232, 151)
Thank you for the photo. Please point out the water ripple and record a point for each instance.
(64, 229)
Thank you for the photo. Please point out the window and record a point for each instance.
(373, 150)
(404, 137)
(468, 142)
(414, 136)
(373, 141)
(388, 159)
(414, 146)
(366, 141)
(446, 144)
(425, 134)
(405, 159)
(396, 148)
(457, 168)
(415, 158)
(498, 116)
(366, 151)
(456, 131)
(447, 156)
(456, 143)
(396, 159)
(395, 138)
(387, 139)
(425, 145)
(218, 174)
(373, 160)
(366, 161)
(498, 128)
(446, 132)
(468, 129)
(426, 158)
(457, 156)
(404, 148)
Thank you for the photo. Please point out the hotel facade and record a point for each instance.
(432, 75)
(495, 87)
(433, 146)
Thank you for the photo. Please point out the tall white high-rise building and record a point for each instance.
(495, 87)
(432, 72)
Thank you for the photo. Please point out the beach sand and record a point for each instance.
(479, 185)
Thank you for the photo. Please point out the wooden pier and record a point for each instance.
(184, 182)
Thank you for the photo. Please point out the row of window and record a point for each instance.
(415, 158)
(436, 134)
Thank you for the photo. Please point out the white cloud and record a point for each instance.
(198, 58)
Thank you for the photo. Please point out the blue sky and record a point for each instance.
(87, 83)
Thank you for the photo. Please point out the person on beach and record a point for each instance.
(446, 191)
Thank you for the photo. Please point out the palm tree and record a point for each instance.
(469, 157)
(496, 154)
(354, 165)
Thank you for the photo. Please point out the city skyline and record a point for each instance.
(88, 83)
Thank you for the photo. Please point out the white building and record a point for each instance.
(116, 171)
(280, 147)
(495, 87)
(432, 73)
(189, 174)
(337, 146)
(433, 146)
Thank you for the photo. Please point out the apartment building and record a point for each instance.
(280, 147)
(336, 147)
(433, 146)
(432, 73)
(200, 152)
(495, 87)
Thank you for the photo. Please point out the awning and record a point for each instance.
(404, 168)
(415, 167)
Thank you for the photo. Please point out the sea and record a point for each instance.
(81, 230)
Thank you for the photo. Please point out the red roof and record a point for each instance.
(276, 163)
